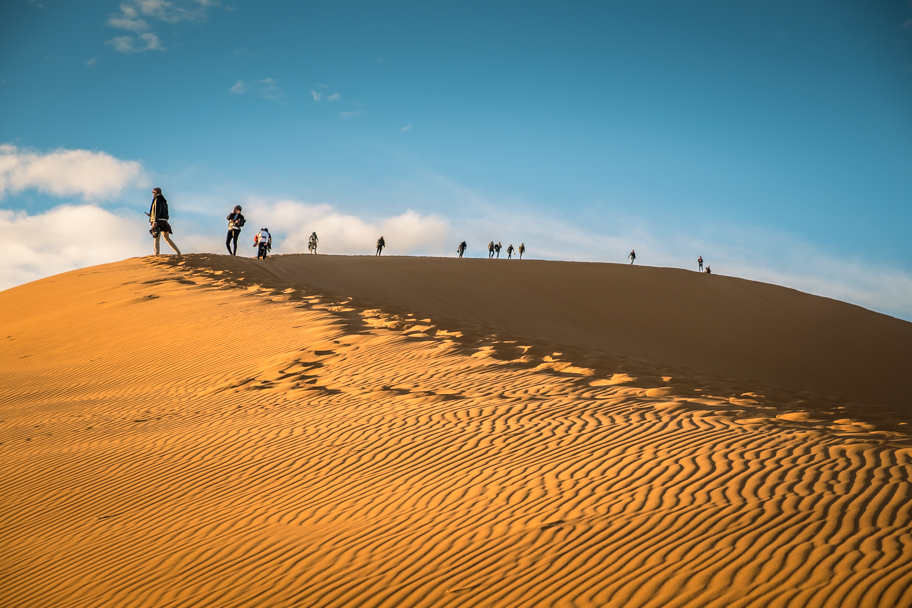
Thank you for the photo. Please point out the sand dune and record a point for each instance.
(211, 431)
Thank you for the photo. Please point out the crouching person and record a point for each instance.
(263, 242)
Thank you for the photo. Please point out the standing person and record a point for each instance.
(312, 242)
(510, 252)
(632, 256)
(158, 219)
(522, 249)
(235, 221)
(700, 262)
(490, 250)
(461, 249)
(263, 242)
(380, 245)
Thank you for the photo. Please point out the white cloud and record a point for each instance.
(127, 44)
(352, 114)
(92, 61)
(134, 16)
(267, 88)
(91, 175)
(317, 96)
(406, 128)
(407, 233)
(333, 97)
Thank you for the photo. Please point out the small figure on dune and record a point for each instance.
(510, 252)
(380, 245)
(312, 243)
(497, 249)
(490, 250)
(522, 249)
(461, 249)
(700, 262)
(263, 242)
(158, 219)
(235, 222)
(709, 270)
(632, 256)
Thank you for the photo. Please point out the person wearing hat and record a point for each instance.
(158, 218)
(235, 222)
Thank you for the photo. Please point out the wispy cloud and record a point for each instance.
(267, 88)
(333, 97)
(91, 175)
(92, 61)
(135, 16)
(316, 95)
(128, 44)
(406, 128)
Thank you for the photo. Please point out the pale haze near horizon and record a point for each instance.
(773, 140)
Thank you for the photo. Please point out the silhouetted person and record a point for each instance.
(235, 222)
(461, 249)
(497, 249)
(510, 252)
(263, 242)
(632, 256)
(522, 249)
(380, 245)
(709, 270)
(312, 243)
(490, 250)
(700, 262)
(158, 219)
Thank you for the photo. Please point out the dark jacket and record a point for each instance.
(159, 209)
(237, 217)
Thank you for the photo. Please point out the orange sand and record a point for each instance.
(214, 431)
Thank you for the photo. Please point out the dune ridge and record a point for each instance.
(208, 432)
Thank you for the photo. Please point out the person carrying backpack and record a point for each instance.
(158, 219)
(235, 222)
(381, 243)
(312, 243)
(461, 249)
(497, 249)
(263, 242)
(632, 256)
(522, 249)
(490, 250)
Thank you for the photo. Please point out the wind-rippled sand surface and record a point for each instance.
(202, 433)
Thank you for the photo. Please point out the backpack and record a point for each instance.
(240, 221)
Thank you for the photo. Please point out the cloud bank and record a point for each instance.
(90, 175)
(134, 16)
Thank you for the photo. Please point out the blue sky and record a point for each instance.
(772, 138)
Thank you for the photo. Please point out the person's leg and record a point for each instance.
(171, 243)
(237, 233)
(228, 242)
(157, 247)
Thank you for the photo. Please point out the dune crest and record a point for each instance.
(208, 432)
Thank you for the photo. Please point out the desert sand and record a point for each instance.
(205, 430)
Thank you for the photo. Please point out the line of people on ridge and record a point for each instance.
(160, 227)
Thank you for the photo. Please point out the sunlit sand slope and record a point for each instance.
(205, 434)
(723, 325)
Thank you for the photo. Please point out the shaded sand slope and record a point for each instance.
(172, 434)
(722, 325)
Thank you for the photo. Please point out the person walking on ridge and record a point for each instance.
(381, 243)
(235, 222)
(632, 256)
(312, 243)
(497, 249)
(510, 252)
(490, 250)
(158, 219)
(461, 249)
(522, 249)
(700, 262)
